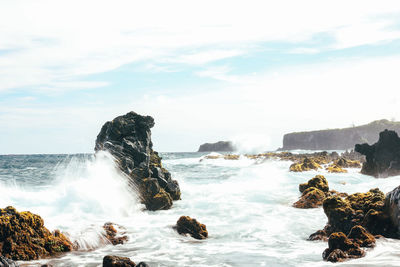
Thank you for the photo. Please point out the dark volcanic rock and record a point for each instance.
(187, 225)
(392, 208)
(128, 139)
(338, 139)
(221, 146)
(383, 157)
(115, 261)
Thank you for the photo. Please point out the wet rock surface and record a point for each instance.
(383, 157)
(128, 139)
(112, 234)
(24, 237)
(187, 225)
(4, 262)
(115, 261)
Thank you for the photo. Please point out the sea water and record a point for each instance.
(245, 204)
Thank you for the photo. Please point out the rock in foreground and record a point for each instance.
(187, 225)
(383, 157)
(128, 139)
(115, 261)
(24, 237)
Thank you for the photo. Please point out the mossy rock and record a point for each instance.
(319, 182)
(335, 169)
(24, 237)
(187, 225)
(306, 165)
(312, 198)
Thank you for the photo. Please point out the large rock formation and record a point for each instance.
(383, 157)
(221, 146)
(335, 139)
(128, 139)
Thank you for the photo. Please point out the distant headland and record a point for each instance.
(221, 146)
(338, 139)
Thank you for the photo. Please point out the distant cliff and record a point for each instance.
(221, 146)
(335, 139)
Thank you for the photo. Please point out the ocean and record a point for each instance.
(245, 204)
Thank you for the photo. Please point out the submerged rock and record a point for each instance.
(115, 261)
(112, 235)
(24, 237)
(187, 225)
(128, 139)
(383, 157)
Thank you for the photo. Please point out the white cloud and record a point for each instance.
(53, 40)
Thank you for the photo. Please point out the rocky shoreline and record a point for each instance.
(354, 221)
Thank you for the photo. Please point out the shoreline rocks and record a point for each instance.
(187, 225)
(128, 139)
(383, 157)
(24, 237)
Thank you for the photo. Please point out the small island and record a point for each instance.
(221, 146)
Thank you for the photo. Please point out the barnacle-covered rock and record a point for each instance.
(24, 237)
(187, 225)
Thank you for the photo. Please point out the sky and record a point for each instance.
(247, 71)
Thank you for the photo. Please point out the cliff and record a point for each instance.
(221, 146)
(128, 139)
(334, 139)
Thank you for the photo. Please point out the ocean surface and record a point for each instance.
(245, 204)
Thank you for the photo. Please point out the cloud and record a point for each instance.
(45, 41)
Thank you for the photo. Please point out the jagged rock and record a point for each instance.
(319, 182)
(338, 139)
(115, 261)
(306, 165)
(128, 139)
(221, 146)
(313, 193)
(361, 237)
(341, 248)
(24, 237)
(318, 235)
(392, 209)
(335, 169)
(347, 163)
(112, 235)
(383, 157)
(4, 262)
(311, 198)
(343, 214)
(187, 225)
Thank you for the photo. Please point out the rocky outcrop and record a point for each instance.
(338, 139)
(187, 225)
(307, 164)
(24, 237)
(342, 247)
(383, 157)
(392, 208)
(313, 193)
(128, 139)
(221, 146)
